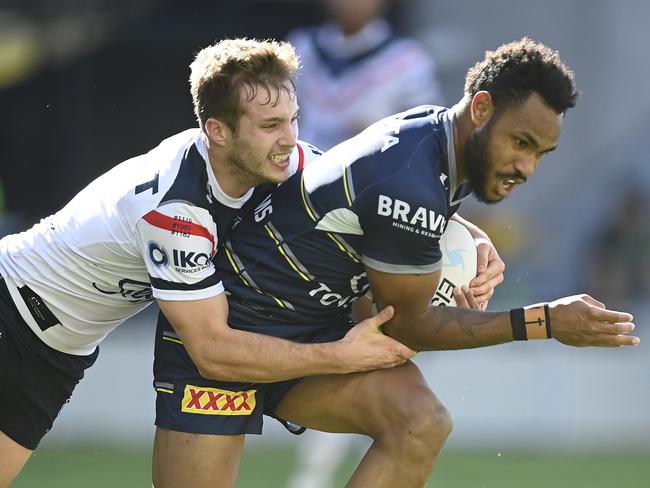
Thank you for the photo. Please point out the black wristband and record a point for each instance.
(518, 324)
(548, 321)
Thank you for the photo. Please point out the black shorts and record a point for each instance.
(187, 402)
(35, 380)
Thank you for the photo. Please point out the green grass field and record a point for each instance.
(101, 467)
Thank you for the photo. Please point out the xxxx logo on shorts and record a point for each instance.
(213, 401)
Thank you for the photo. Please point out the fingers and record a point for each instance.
(460, 298)
(482, 258)
(611, 316)
(488, 266)
(465, 298)
(383, 316)
(616, 329)
(402, 352)
(607, 340)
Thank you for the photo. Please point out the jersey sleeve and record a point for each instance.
(178, 241)
(303, 155)
(401, 232)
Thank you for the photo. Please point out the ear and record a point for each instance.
(481, 108)
(217, 131)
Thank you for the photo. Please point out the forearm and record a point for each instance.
(441, 328)
(235, 355)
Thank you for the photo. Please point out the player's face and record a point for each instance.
(506, 151)
(266, 135)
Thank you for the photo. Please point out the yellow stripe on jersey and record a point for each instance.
(304, 197)
(235, 267)
(171, 339)
(342, 248)
(286, 256)
(240, 273)
(345, 186)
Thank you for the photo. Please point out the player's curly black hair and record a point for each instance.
(515, 70)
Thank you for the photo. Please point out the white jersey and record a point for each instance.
(348, 82)
(146, 229)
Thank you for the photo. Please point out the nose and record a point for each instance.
(289, 136)
(527, 164)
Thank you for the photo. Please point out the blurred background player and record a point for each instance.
(356, 70)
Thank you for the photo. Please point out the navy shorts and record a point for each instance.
(35, 380)
(187, 402)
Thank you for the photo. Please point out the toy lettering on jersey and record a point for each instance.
(420, 221)
(358, 284)
(444, 293)
(181, 226)
(214, 401)
(190, 261)
(134, 291)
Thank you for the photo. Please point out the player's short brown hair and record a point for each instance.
(232, 70)
(515, 70)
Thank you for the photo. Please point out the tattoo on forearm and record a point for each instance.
(466, 320)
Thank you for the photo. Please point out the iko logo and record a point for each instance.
(157, 254)
(420, 220)
(190, 259)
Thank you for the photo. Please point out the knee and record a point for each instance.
(418, 420)
(427, 423)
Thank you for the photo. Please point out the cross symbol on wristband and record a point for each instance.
(538, 321)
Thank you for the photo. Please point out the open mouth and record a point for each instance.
(280, 160)
(507, 185)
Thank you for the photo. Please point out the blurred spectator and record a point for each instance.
(619, 265)
(356, 70)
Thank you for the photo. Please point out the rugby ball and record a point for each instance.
(458, 263)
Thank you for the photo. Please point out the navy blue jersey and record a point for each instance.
(381, 199)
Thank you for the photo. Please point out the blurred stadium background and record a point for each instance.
(87, 84)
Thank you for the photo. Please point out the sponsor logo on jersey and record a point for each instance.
(134, 291)
(190, 261)
(157, 254)
(418, 220)
(213, 401)
(444, 293)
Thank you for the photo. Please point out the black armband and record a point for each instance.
(532, 322)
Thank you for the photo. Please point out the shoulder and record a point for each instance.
(303, 155)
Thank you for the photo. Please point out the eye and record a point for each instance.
(522, 143)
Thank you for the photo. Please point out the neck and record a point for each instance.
(230, 180)
(461, 121)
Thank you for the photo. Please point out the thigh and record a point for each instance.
(196, 460)
(361, 403)
(35, 380)
(14, 456)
